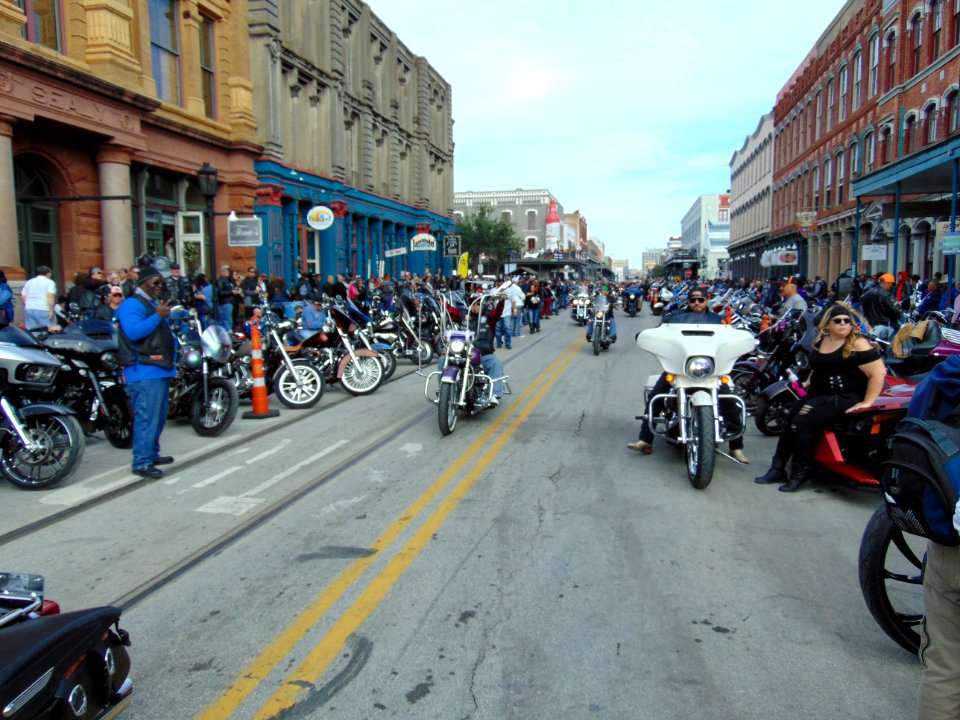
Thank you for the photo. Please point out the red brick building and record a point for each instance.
(880, 88)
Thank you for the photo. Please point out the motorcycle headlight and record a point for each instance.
(699, 367)
(631, 296)
(192, 358)
(37, 374)
(599, 314)
(109, 360)
(457, 346)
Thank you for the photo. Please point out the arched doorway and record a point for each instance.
(36, 217)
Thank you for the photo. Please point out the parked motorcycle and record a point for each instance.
(464, 385)
(89, 379)
(663, 298)
(697, 360)
(198, 392)
(53, 665)
(40, 442)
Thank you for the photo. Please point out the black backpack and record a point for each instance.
(921, 479)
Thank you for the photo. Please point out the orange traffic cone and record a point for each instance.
(728, 320)
(261, 406)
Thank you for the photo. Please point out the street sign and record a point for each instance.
(395, 252)
(451, 245)
(951, 243)
(245, 232)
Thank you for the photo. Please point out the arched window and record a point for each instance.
(891, 61)
(855, 168)
(936, 38)
(873, 83)
(827, 181)
(956, 22)
(842, 105)
(930, 122)
(507, 216)
(908, 133)
(857, 81)
(870, 146)
(887, 139)
(950, 110)
(531, 244)
(841, 177)
(816, 187)
(531, 219)
(818, 121)
(829, 104)
(915, 28)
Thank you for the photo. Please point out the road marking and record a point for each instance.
(230, 505)
(291, 470)
(223, 707)
(213, 478)
(74, 494)
(271, 451)
(238, 451)
(330, 647)
(172, 481)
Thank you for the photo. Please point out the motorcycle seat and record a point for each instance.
(37, 638)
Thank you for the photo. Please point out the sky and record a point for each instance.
(626, 110)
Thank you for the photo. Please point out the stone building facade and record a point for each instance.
(880, 85)
(526, 210)
(351, 119)
(107, 111)
(751, 181)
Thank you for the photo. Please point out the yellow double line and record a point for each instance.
(329, 647)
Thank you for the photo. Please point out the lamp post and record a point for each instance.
(208, 182)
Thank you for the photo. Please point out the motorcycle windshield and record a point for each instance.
(674, 344)
(12, 335)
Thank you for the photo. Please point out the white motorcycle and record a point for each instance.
(697, 360)
(580, 310)
(664, 296)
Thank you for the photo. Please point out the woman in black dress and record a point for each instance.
(846, 375)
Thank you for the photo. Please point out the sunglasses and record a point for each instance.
(696, 300)
(116, 294)
(156, 283)
(842, 321)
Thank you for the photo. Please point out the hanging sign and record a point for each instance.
(424, 242)
(786, 257)
(451, 245)
(395, 252)
(951, 243)
(320, 217)
(245, 232)
(875, 252)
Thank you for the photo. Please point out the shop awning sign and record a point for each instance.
(951, 243)
(245, 232)
(875, 252)
(394, 252)
(320, 217)
(424, 242)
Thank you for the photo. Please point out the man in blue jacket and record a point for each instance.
(146, 353)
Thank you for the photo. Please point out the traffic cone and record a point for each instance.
(728, 320)
(261, 406)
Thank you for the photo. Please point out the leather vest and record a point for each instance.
(157, 348)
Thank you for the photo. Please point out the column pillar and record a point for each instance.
(846, 250)
(9, 239)
(834, 256)
(116, 222)
(823, 260)
(813, 256)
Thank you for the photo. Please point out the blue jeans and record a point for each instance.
(492, 365)
(37, 318)
(613, 329)
(515, 330)
(502, 332)
(534, 318)
(149, 400)
(225, 316)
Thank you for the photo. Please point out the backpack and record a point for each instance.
(921, 479)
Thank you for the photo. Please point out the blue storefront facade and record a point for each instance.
(365, 229)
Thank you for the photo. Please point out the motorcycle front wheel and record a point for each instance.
(119, 427)
(389, 362)
(362, 375)
(447, 411)
(422, 353)
(61, 445)
(701, 450)
(738, 381)
(770, 417)
(891, 567)
(213, 417)
(596, 342)
(301, 389)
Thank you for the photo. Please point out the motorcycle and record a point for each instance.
(664, 296)
(631, 305)
(581, 309)
(89, 379)
(198, 392)
(59, 665)
(697, 360)
(601, 325)
(40, 442)
(464, 385)
(399, 332)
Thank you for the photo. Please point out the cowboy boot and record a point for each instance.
(799, 474)
(776, 474)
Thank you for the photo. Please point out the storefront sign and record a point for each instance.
(320, 217)
(951, 243)
(423, 242)
(874, 252)
(451, 245)
(245, 232)
(395, 252)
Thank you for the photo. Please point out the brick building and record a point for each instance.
(879, 87)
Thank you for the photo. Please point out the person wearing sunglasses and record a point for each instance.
(846, 375)
(696, 313)
(112, 297)
(146, 355)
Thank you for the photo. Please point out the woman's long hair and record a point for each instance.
(836, 310)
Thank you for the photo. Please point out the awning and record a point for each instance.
(925, 172)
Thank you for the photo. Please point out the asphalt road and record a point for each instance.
(356, 564)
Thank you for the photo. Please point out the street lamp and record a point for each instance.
(208, 182)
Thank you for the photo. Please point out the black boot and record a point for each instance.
(799, 474)
(776, 474)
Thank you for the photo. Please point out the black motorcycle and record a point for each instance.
(89, 379)
(53, 665)
(631, 303)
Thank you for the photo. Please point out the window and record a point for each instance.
(207, 70)
(871, 146)
(908, 133)
(842, 107)
(840, 177)
(507, 217)
(891, 61)
(950, 111)
(827, 181)
(723, 215)
(816, 187)
(857, 80)
(829, 103)
(531, 219)
(916, 30)
(873, 83)
(956, 22)
(930, 121)
(165, 49)
(43, 22)
(937, 15)
(816, 131)
(887, 139)
(855, 160)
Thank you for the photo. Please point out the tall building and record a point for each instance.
(705, 233)
(351, 119)
(751, 183)
(107, 112)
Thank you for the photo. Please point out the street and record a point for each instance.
(356, 564)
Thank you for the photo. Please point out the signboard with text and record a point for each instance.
(451, 245)
(874, 252)
(245, 232)
(395, 252)
(951, 243)
(424, 242)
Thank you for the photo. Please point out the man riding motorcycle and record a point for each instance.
(609, 300)
(483, 328)
(880, 309)
(695, 313)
